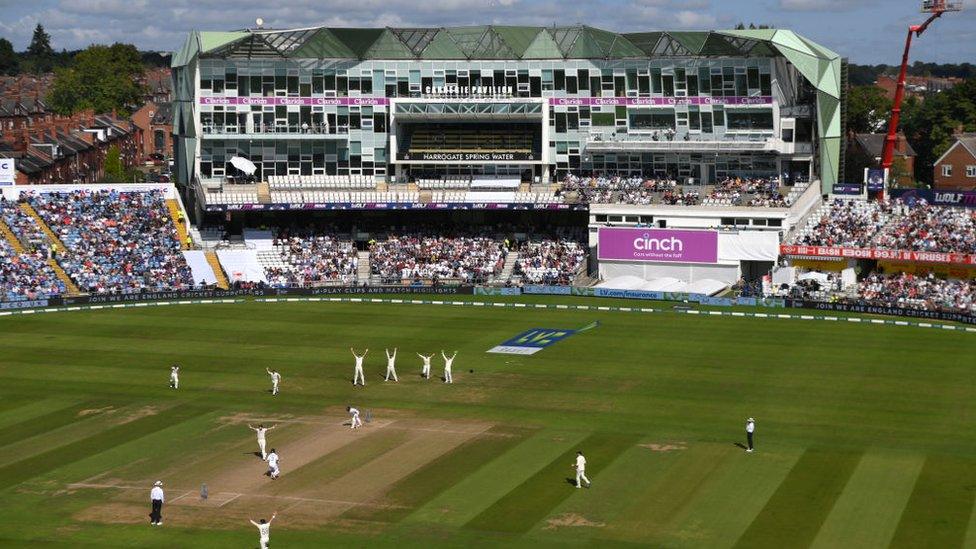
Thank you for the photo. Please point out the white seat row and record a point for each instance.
(321, 181)
(232, 197)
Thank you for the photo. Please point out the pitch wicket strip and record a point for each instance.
(856, 319)
(235, 495)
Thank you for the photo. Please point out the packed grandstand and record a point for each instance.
(110, 241)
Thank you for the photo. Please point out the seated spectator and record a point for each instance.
(312, 260)
(847, 223)
(467, 259)
(117, 241)
(925, 228)
(922, 292)
(552, 262)
(25, 275)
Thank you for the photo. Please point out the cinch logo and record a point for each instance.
(646, 243)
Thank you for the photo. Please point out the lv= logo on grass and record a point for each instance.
(532, 341)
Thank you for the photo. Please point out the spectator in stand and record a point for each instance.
(313, 259)
(117, 241)
(25, 275)
(848, 223)
(922, 292)
(926, 228)
(420, 256)
(553, 262)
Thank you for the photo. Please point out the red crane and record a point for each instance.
(936, 8)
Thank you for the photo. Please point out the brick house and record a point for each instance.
(69, 149)
(955, 170)
(155, 121)
(864, 151)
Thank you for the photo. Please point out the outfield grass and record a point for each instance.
(863, 431)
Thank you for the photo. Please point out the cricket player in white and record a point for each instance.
(174, 377)
(275, 380)
(580, 466)
(358, 373)
(262, 431)
(355, 421)
(750, 429)
(425, 371)
(448, 362)
(391, 365)
(273, 464)
(264, 529)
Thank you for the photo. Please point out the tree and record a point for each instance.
(931, 125)
(867, 109)
(9, 61)
(112, 169)
(898, 175)
(102, 78)
(40, 54)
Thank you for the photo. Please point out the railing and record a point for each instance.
(263, 129)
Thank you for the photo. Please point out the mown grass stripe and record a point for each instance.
(40, 424)
(25, 409)
(491, 481)
(938, 511)
(339, 462)
(793, 515)
(867, 512)
(440, 474)
(18, 472)
(532, 500)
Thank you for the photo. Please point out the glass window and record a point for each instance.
(718, 115)
(656, 80)
(657, 119)
(668, 82)
(765, 85)
(753, 77)
(753, 119)
(571, 85)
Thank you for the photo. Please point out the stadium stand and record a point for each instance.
(411, 257)
(307, 259)
(909, 291)
(556, 262)
(24, 270)
(851, 223)
(116, 242)
(927, 228)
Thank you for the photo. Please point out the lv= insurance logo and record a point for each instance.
(532, 341)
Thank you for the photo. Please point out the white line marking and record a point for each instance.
(230, 500)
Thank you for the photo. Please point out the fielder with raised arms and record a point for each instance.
(425, 370)
(275, 380)
(448, 362)
(262, 431)
(391, 365)
(357, 374)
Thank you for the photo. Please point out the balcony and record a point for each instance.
(268, 131)
(646, 143)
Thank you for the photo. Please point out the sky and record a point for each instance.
(866, 31)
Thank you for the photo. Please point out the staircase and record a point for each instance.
(510, 259)
(362, 271)
(217, 269)
(174, 212)
(11, 238)
(69, 284)
(53, 238)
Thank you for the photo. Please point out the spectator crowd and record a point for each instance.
(312, 259)
(426, 256)
(117, 242)
(27, 274)
(554, 262)
(739, 191)
(920, 292)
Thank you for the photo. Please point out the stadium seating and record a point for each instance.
(851, 223)
(117, 242)
(550, 262)
(428, 257)
(309, 260)
(301, 182)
